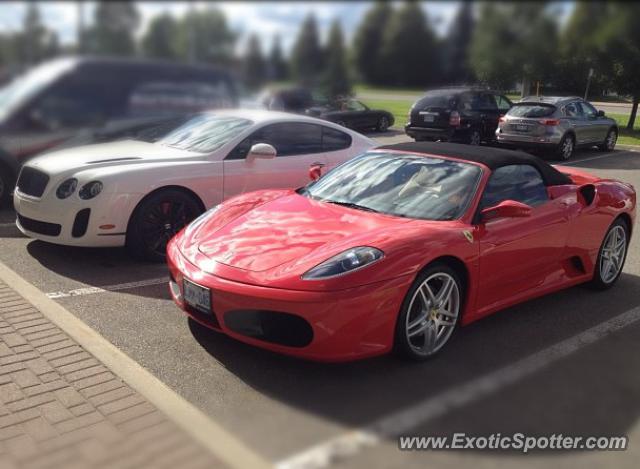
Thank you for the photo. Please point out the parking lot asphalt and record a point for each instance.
(290, 410)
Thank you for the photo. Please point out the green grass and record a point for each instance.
(627, 137)
(400, 111)
(369, 89)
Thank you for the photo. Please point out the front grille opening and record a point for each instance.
(81, 223)
(270, 326)
(40, 227)
(32, 182)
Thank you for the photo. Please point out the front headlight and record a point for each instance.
(347, 261)
(90, 190)
(67, 188)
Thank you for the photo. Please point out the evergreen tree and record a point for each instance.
(113, 31)
(336, 76)
(204, 36)
(306, 56)
(458, 42)
(367, 42)
(278, 69)
(161, 37)
(254, 68)
(408, 56)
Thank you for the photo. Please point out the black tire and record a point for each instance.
(7, 183)
(475, 137)
(566, 148)
(156, 220)
(598, 282)
(403, 345)
(610, 140)
(383, 124)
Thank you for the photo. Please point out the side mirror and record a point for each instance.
(600, 113)
(261, 151)
(315, 171)
(506, 209)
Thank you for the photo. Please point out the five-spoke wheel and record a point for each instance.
(611, 256)
(430, 312)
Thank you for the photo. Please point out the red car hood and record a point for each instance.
(290, 228)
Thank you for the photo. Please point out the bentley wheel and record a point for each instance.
(156, 220)
(566, 147)
(429, 313)
(611, 257)
(609, 143)
(383, 124)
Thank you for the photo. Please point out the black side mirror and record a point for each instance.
(600, 113)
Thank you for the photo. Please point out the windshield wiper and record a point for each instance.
(352, 205)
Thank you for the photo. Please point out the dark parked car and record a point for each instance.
(81, 96)
(354, 114)
(295, 99)
(464, 115)
(557, 124)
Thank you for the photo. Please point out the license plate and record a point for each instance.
(522, 128)
(429, 118)
(197, 296)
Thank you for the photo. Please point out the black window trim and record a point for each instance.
(478, 213)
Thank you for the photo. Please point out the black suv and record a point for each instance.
(465, 115)
(61, 100)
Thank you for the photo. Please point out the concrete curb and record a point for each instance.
(201, 428)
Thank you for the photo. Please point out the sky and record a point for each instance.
(263, 18)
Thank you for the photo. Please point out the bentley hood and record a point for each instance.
(106, 154)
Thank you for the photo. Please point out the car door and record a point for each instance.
(572, 111)
(519, 254)
(298, 146)
(503, 103)
(597, 126)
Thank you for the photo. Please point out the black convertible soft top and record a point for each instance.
(491, 157)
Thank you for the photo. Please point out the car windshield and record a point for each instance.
(205, 133)
(531, 110)
(426, 188)
(26, 86)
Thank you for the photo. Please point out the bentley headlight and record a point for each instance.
(67, 188)
(347, 261)
(90, 190)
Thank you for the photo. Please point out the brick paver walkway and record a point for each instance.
(61, 408)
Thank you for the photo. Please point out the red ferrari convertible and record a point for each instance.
(397, 247)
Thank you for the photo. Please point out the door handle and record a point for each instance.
(318, 163)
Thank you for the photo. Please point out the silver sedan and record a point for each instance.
(559, 124)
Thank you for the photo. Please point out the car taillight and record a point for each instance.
(454, 119)
(549, 121)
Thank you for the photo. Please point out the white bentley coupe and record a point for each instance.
(140, 194)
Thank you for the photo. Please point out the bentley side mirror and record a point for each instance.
(261, 151)
(506, 209)
(600, 113)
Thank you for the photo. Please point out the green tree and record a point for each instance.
(205, 37)
(458, 42)
(336, 75)
(514, 41)
(278, 69)
(620, 51)
(113, 31)
(254, 66)
(306, 56)
(408, 55)
(161, 38)
(30, 45)
(367, 42)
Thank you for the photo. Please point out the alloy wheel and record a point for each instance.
(613, 254)
(567, 148)
(612, 138)
(163, 221)
(433, 313)
(384, 124)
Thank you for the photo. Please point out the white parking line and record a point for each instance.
(605, 155)
(117, 287)
(397, 423)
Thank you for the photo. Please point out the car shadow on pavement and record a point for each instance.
(97, 267)
(621, 159)
(593, 390)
